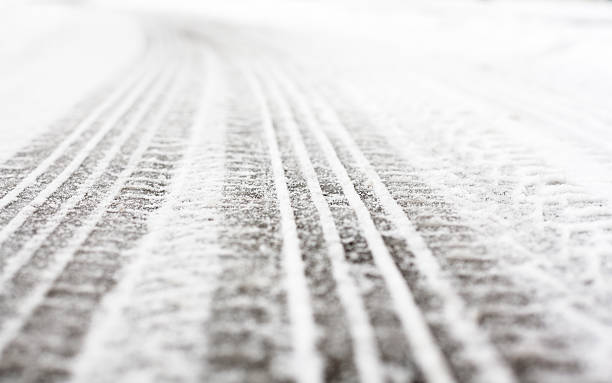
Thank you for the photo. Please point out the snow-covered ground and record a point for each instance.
(308, 191)
(50, 58)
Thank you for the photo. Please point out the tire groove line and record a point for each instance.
(394, 352)
(55, 292)
(251, 324)
(22, 222)
(27, 160)
(46, 214)
(68, 152)
(83, 217)
(332, 340)
(155, 281)
(300, 309)
(428, 356)
(353, 315)
(480, 359)
(526, 326)
(396, 360)
(70, 139)
(248, 322)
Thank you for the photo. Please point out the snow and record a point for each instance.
(50, 58)
(446, 165)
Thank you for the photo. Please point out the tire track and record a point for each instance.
(378, 330)
(31, 161)
(163, 300)
(26, 159)
(473, 359)
(44, 219)
(248, 321)
(21, 354)
(327, 277)
(289, 236)
(24, 219)
(518, 184)
(37, 166)
(394, 352)
(299, 302)
(496, 277)
(431, 361)
(68, 154)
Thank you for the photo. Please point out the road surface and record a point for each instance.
(306, 192)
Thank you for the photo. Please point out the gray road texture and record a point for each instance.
(243, 204)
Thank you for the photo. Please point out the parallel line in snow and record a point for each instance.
(428, 355)
(109, 103)
(394, 351)
(307, 364)
(490, 364)
(27, 159)
(40, 303)
(535, 267)
(10, 327)
(19, 259)
(334, 341)
(84, 268)
(31, 207)
(103, 325)
(364, 341)
(249, 296)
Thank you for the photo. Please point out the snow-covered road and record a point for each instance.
(306, 191)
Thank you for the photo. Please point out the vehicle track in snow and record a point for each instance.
(223, 212)
(527, 304)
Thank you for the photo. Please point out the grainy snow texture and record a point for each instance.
(306, 191)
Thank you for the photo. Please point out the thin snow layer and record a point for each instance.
(52, 58)
(292, 191)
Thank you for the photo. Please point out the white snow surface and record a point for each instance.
(52, 56)
(306, 191)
